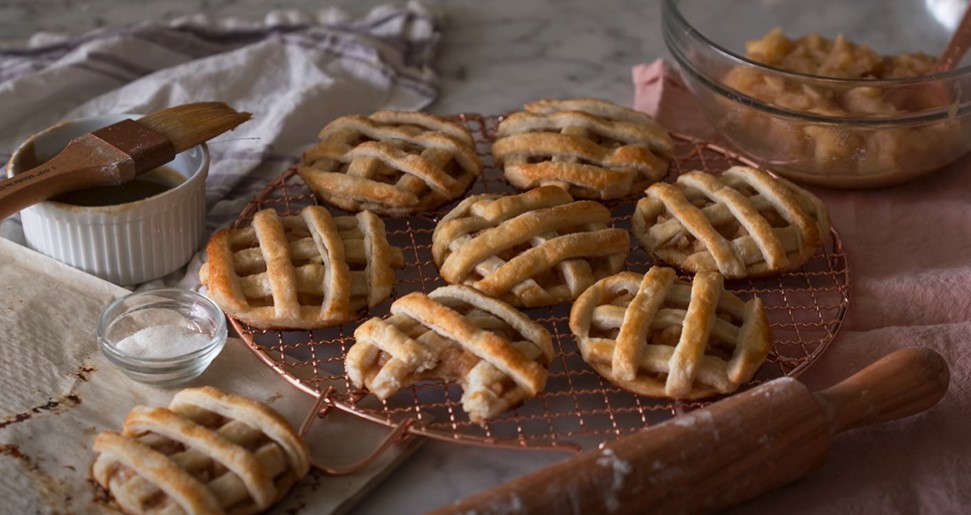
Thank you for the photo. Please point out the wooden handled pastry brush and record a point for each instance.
(117, 153)
(726, 453)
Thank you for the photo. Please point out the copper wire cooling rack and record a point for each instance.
(805, 310)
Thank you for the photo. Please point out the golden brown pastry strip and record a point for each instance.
(392, 163)
(591, 148)
(209, 452)
(304, 271)
(235, 407)
(455, 333)
(637, 317)
(205, 442)
(532, 249)
(658, 336)
(743, 223)
(183, 489)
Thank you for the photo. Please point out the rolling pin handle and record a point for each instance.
(898, 385)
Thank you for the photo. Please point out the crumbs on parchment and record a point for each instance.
(58, 405)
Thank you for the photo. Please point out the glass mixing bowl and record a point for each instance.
(885, 131)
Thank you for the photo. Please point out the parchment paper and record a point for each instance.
(57, 392)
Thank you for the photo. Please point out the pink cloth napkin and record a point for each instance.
(909, 252)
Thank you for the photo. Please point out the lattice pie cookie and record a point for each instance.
(301, 272)
(742, 223)
(661, 337)
(454, 334)
(591, 148)
(209, 452)
(393, 163)
(536, 248)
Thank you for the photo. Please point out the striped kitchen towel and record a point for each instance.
(294, 71)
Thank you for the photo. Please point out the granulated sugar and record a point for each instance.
(162, 341)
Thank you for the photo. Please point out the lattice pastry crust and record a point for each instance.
(209, 452)
(393, 163)
(662, 337)
(742, 223)
(592, 148)
(301, 272)
(454, 334)
(536, 248)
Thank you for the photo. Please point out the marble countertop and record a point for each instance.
(488, 55)
(494, 57)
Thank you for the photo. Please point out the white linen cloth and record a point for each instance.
(294, 71)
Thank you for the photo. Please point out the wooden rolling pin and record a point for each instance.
(726, 453)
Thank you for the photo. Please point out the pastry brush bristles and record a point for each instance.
(191, 124)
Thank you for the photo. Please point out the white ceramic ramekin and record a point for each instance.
(126, 244)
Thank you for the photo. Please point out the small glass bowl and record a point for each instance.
(170, 316)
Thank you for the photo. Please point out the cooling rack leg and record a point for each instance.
(399, 433)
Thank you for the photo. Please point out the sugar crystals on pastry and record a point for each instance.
(302, 271)
(209, 452)
(393, 163)
(742, 223)
(592, 148)
(536, 248)
(454, 334)
(659, 336)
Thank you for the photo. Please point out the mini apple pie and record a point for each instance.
(393, 163)
(453, 334)
(305, 271)
(742, 223)
(533, 249)
(592, 148)
(208, 452)
(659, 336)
